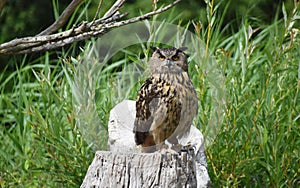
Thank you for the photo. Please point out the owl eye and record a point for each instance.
(175, 57)
(162, 58)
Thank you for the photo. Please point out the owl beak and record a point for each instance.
(168, 63)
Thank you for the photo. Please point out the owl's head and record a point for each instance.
(168, 60)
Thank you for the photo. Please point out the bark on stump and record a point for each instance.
(125, 166)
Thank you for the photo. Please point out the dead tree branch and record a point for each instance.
(85, 30)
(62, 18)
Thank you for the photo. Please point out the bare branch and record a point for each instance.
(62, 18)
(83, 31)
(113, 9)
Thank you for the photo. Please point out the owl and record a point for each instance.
(167, 102)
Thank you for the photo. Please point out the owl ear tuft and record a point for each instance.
(182, 48)
(153, 48)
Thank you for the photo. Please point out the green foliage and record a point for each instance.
(40, 143)
(257, 142)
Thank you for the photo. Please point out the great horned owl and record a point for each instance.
(166, 103)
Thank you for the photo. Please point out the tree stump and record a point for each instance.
(125, 166)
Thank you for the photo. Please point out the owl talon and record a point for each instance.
(189, 149)
(165, 149)
(168, 151)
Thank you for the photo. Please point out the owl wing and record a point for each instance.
(146, 100)
(156, 107)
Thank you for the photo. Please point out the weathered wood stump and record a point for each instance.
(125, 166)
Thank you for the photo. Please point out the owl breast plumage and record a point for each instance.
(166, 102)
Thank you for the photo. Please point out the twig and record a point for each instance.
(145, 16)
(97, 12)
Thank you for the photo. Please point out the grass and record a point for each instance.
(54, 111)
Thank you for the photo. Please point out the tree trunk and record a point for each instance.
(125, 166)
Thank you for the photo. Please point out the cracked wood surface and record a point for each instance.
(140, 170)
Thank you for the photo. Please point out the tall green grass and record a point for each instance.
(40, 143)
(257, 143)
(259, 138)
